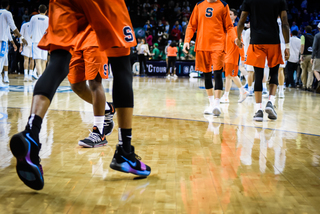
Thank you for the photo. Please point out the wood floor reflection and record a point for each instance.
(199, 164)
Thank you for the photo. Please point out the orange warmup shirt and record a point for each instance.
(233, 51)
(172, 51)
(211, 21)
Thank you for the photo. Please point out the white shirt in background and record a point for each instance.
(6, 22)
(295, 44)
(142, 48)
(37, 27)
(25, 33)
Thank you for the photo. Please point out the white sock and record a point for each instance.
(98, 122)
(6, 73)
(25, 72)
(280, 88)
(30, 72)
(226, 94)
(211, 100)
(258, 106)
(272, 98)
(264, 85)
(250, 88)
(246, 76)
(107, 107)
(217, 102)
(241, 90)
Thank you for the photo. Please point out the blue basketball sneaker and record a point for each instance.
(26, 149)
(129, 162)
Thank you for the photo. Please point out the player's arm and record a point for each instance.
(240, 27)
(13, 27)
(191, 29)
(12, 42)
(228, 25)
(286, 32)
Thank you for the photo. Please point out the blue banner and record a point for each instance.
(159, 68)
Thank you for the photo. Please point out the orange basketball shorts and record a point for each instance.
(86, 64)
(257, 55)
(231, 69)
(208, 61)
(67, 18)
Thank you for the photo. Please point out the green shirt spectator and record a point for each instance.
(181, 53)
(192, 52)
(156, 52)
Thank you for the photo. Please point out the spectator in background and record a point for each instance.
(181, 54)
(184, 21)
(146, 5)
(149, 38)
(161, 43)
(315, 61)
(177, 8)
(143, 51)
(172, 57)
(305, 18)
(293, 60)
(304, 4)
(294, 27)
(147, 25)
(306, 52)
(167, 27)
(155, 52)
(177, 23)
(176, 33)
(191, 53)
(159, 29)
(25, 16)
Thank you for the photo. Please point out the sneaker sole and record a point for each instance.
(126, 168)
(271, 113)
(258, 119)
(216, 112)
(243, 99)
(27, 171)
(83, 144)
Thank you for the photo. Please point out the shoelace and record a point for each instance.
(137, 157)
(94, 137)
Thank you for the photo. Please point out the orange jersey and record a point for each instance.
(211, 21)
(172, 51)
(233, 51)
(86, 39)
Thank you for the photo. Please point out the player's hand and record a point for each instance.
(186, 46)
(238, 43)
(286, 54)
(311, 61)
(24, 41)
(20, 49)
(14, 47)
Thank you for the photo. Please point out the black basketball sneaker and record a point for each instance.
(272, 114)
(26, 150)
(129, 162)
(95, 139)
(258, 116)
(108, 120)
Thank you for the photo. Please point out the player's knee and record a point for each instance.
(218, 80)
(78, 87)
(208, 80)
(122, 82)
(274, 75)
(258, 79)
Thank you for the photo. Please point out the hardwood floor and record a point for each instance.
(200, 164)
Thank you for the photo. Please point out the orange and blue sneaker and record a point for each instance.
(95, 139)
(129, 162)
(26, 149)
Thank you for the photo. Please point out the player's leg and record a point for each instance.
(281, 81)
(264, 82)
(225, 97)
(26, 68)
(272, 92)
(258, 74)
(310, 73)
(31, 67)
(6, 69)
(44, 91)
(217, 60)
(125, 159)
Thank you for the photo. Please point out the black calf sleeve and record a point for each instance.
(274, 75)
(218, 80)
(54, 74)
(122, 93)
(258, 77)
(208, 80)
